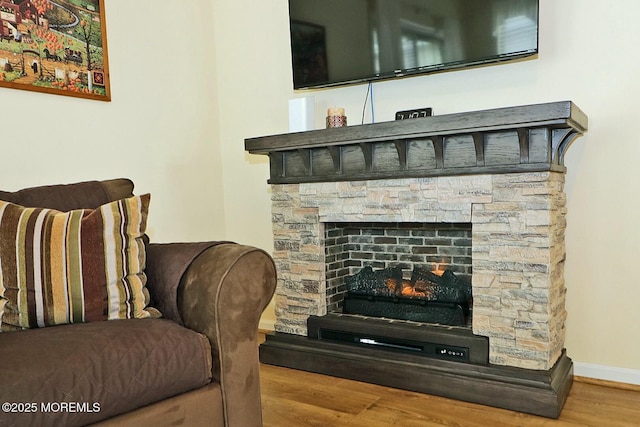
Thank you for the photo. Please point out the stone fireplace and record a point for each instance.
(517, 223)
(490, 180)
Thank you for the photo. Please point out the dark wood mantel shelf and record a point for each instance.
(529, 138)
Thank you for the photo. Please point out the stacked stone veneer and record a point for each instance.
(518, 250)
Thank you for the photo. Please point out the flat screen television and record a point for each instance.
(336, 42)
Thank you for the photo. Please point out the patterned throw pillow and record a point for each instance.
(70, 267)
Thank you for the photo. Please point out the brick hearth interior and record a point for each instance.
(350, 246)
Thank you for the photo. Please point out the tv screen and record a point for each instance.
(337, 42)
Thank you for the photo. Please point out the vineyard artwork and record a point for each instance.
(57, 47)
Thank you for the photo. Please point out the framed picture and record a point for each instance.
(55, 47)
(309, 54)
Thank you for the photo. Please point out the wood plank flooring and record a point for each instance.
(293, 398)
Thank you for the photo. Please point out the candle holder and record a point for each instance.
(336, 121)
(336, 118)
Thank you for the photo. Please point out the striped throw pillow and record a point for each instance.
(71, 267)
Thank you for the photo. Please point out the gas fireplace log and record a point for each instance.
(426, 297)
(449, 284)
(424, 285)
(444, 313)
(380, 282)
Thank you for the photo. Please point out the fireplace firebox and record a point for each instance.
(405, 263)
(346, 205)
(426, 297)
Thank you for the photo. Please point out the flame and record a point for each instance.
(391, 284)
(409, 291)
(417, 289)
(437, 269)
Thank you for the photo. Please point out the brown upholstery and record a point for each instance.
(119, 188)
(197, 408)
(229, 315)
(119, 364)
(66, 197)
(166, 264)
(217, 289)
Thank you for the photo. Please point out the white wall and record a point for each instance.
(588, 54)
(160, 128)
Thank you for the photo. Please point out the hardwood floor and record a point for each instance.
(293, 398)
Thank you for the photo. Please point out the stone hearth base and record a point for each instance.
(535, 392)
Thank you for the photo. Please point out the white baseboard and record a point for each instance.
(607, 373)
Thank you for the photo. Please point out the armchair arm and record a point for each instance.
(166, 264)
(222, 295)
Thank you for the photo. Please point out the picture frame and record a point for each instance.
(56, 48)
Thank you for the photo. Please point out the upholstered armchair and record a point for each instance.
(174, 344)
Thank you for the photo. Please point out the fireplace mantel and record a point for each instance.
(529, 138)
